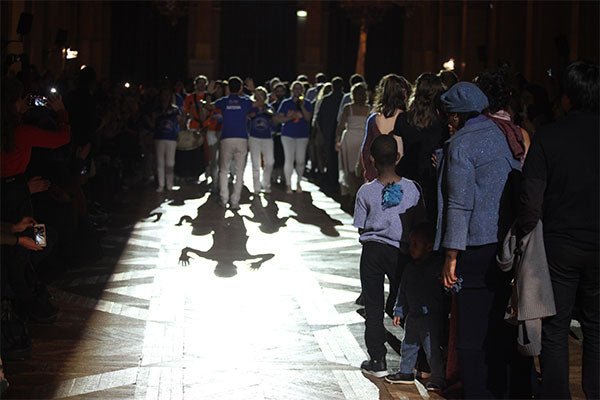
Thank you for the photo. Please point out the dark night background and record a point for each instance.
(258, 39)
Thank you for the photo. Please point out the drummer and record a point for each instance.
(192, 104)
(190, 161)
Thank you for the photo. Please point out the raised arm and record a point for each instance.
(305, 113)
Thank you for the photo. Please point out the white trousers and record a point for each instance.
(213, 153)
(294, 150)
(265, 147)
(232, 150)
(165, 162)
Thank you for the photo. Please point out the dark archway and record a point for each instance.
(145, 45)
(258, 39)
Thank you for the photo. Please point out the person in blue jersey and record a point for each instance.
(295, 114)
(261, 140)
(167, 119)
(233, 146)
(278, 94)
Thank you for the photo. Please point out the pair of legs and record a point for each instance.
(265, 148)
(232, 150)
(423, 332)
(490, 364)
(376, 261)
(574, 275)
(294, 150)
(165, 162)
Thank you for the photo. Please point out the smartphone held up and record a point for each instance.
(39, 235)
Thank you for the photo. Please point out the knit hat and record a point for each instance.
(464, 97)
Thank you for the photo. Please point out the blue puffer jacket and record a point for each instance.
(474, 170)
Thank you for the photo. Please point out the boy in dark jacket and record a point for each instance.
(420, 303)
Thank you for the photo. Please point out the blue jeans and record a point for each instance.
(423, 331)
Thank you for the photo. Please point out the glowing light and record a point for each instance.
(127, 85)
(301, 14)
(449, 65)
(71, 54)
(53, 90)
(83, 66)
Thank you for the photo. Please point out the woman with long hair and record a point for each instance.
(422, 132)
(349, 136)
(317, 139)
(390, 101)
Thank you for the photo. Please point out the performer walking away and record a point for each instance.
(234, 137)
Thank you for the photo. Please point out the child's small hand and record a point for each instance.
(397, 321)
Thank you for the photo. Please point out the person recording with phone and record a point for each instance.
(17, 140)
(11, 234)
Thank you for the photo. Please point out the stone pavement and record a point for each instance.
(192, 301)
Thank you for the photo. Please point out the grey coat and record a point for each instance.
(532, 298)
(472, 174)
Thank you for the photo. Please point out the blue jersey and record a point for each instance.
(260, 125)
(296, 128)
(166, 126)
(234, 109)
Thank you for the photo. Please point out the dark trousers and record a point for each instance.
(490, 365)
(376, 261)
(189, 163)
(574, 275)
(423, 332)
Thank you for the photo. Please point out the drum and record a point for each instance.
(189, 140)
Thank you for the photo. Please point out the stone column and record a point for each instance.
(312, 40)
(203, 39)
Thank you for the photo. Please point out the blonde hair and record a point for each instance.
(358, 94)
(297, 83)
(263, 90)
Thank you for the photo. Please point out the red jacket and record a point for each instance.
(28, 136)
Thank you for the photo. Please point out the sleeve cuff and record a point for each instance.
(398, 312)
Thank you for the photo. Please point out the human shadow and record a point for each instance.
(307, 213)
(229, 245)
(187, 192)
(267, 216)
(208, 217)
